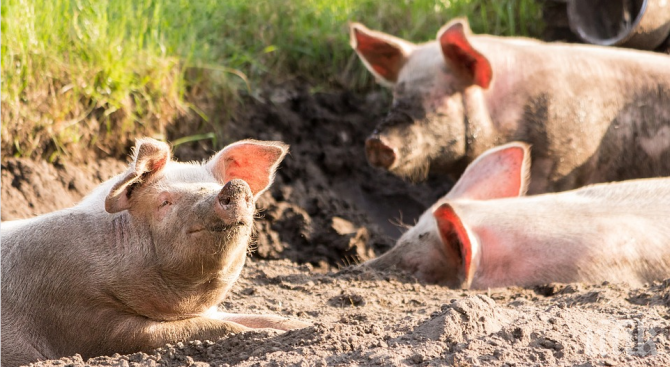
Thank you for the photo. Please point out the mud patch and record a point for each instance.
(31, 188)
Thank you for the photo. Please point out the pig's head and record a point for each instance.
(194, 221)
(426, 127)
(443, 249)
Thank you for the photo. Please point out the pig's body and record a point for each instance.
(99, 278)
(616, 232)
(592, 114)
(607, 232)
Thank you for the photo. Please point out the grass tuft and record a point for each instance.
(81, 75)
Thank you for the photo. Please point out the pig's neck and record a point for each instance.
(119, 252)
(170, 288)
(492, 115)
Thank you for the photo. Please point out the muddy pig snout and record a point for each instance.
(379, 153)
(235, 204)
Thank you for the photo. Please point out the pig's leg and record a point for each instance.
(258, 321)
(266, 322)
(144, 335)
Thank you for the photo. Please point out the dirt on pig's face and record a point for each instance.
(424, 130)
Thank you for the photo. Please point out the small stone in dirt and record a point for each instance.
(551, 344)
(417, 358)
(347, 300)
(570, 288)
(248, 291)
(546, 290)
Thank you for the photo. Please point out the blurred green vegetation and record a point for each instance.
(82, 74)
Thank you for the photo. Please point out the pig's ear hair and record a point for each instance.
(383, 54)
(150, 157)
(252, 161)
(500, 172)
(459, 53)
(458, 242)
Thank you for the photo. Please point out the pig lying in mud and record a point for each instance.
(141, 262)
(593, 114)
(482, 234)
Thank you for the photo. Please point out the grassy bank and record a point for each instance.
(91, 74)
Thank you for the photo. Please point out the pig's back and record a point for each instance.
(558, 53)
(654, 192)
(618, 232)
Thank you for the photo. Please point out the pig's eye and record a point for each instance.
(165, 203)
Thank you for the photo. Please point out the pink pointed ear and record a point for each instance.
(150, 157)
(500, 172)
(459, 53)
(383, 54)
(252, 161)
(458, 243)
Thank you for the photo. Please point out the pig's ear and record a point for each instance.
(458, 242)
(150, 157)
(383, 54)
(499, 172)
(252, 161)
(459, 53)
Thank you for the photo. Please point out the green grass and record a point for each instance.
(82, 74)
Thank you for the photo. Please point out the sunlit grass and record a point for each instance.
(81, 74)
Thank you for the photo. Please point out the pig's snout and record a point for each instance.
(235, 203)
(379, 153)
(234, 191)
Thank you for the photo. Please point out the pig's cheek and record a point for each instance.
(163, 212)
(432, 105)
(412, 264)
(436, 267)
(434, 101)
(449, 105)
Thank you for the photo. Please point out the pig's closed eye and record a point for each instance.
(164, 199)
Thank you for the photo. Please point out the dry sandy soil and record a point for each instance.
(328, 209)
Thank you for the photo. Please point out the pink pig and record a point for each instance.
(142, 261)
(483, 234)
(593, 114)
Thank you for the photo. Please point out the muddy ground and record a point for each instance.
(328, 209)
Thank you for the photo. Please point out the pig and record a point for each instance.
(141, 261)
(485, 234)
(592, 114)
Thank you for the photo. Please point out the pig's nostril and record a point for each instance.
(233, 191)
(379, 154)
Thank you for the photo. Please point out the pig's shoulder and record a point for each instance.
(8, 227)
